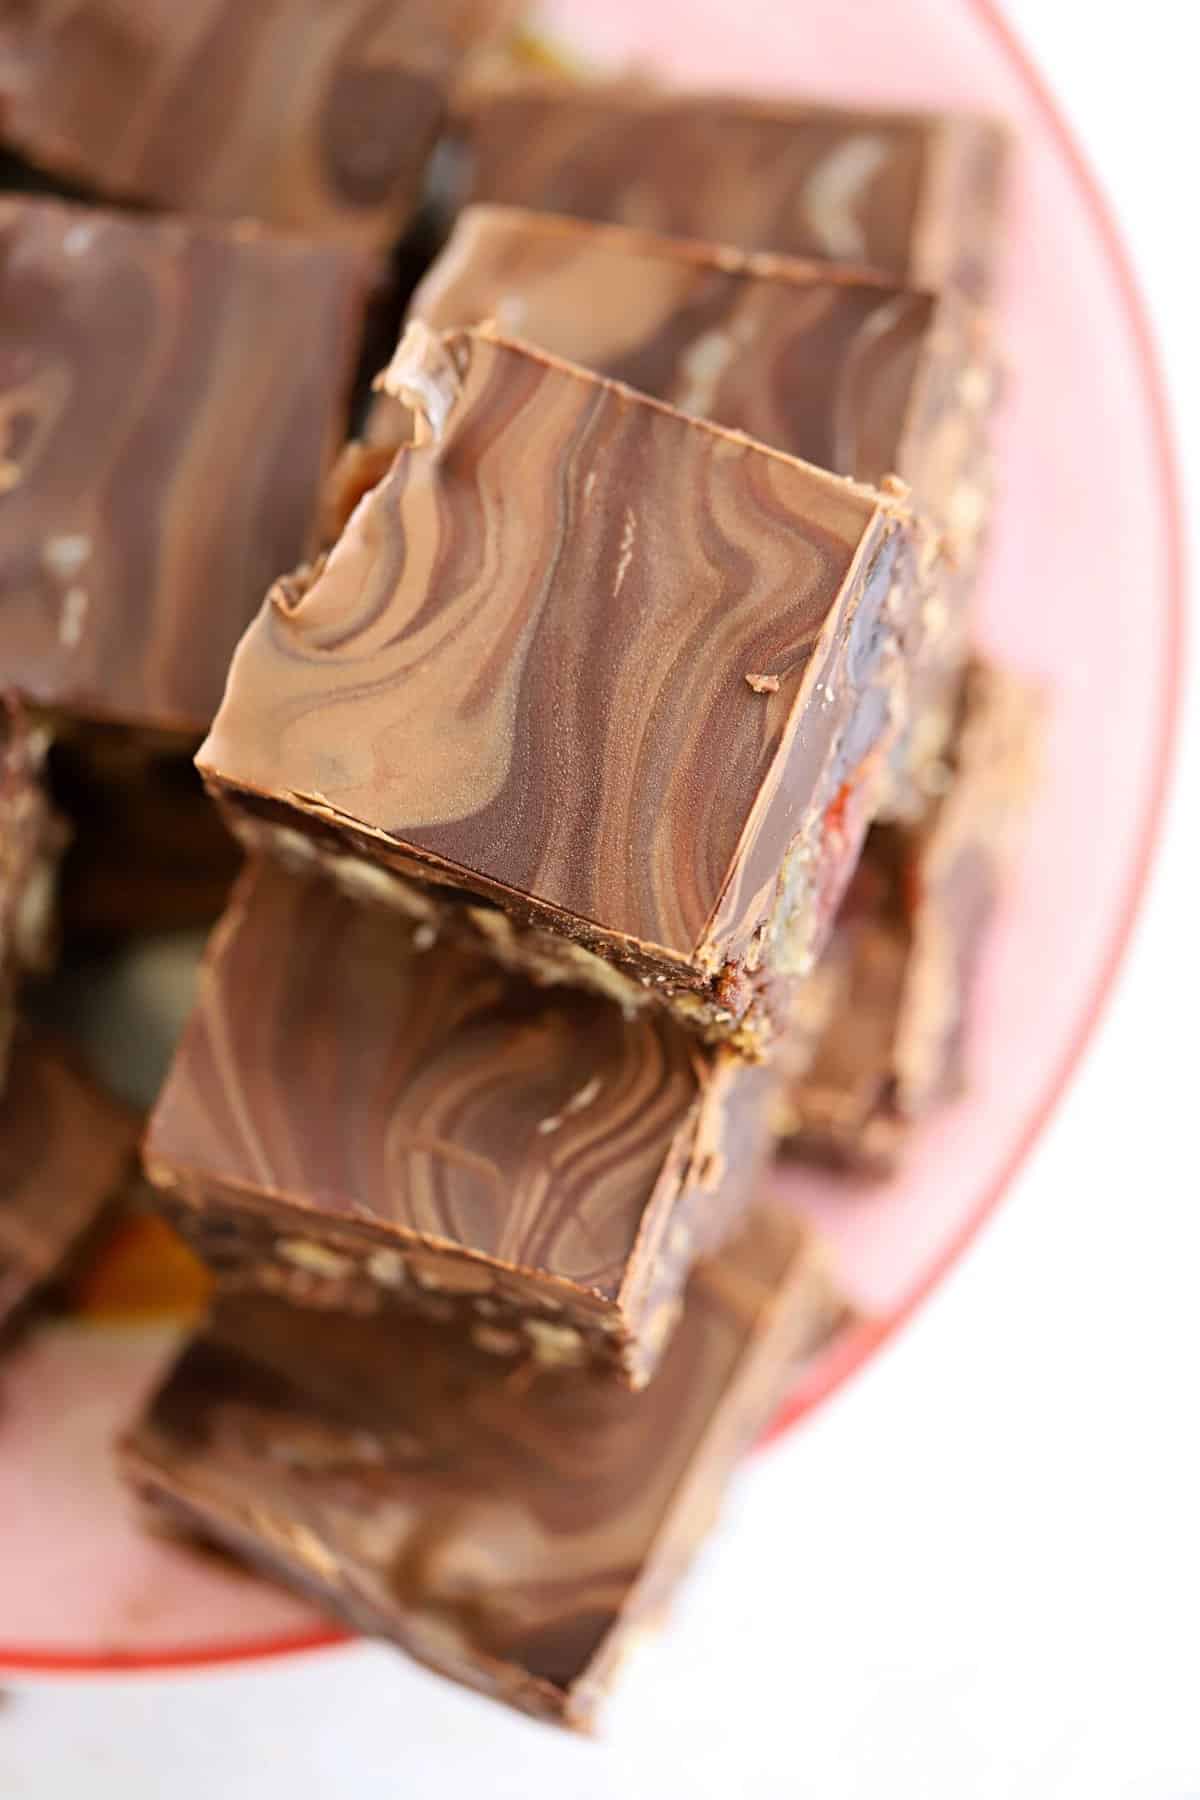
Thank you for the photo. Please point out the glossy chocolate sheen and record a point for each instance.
(577, 653)
(317, 117)
(170, 398)
(66, 1150)
(902, 963)
(915, 196)
(825, 363)
(512, 1536)
(379, 1119)
(31, 842)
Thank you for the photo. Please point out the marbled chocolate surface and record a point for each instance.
(66, 1149)
(820, 362)
(358, 1087)
(844, 369)
(533, 659)
(170, 397)
(313, 116)
(512, 1536)
(913, 195)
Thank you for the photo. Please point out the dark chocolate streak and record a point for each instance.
(332, 1068)
(170, 396)
(65, 1149)
(875, 188)
(527, 655)
(511, 1535)
(309, 115)
(815, 362)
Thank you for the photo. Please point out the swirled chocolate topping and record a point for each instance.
(171, 395)
(317, 117)
(913, 195)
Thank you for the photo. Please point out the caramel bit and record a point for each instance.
(763, 684)
(10, 474)
(143, 1270)
(424, 375)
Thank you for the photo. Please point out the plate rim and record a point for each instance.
(855, 1347)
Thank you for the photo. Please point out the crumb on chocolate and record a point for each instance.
(423, 374)
(763, 684)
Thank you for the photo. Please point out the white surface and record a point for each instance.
(976, 1574)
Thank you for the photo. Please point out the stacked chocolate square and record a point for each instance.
(173, 391)
(621, 797)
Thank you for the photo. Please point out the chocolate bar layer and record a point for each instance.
(625, 675)
(515, 1536)
(31, 842)
(359, 1116)
(66, 1150)
(848, 371)
(316, 117)
(170, 397)
(914, 195)
(892, 1034)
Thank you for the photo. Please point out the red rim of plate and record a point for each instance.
(857, 1345)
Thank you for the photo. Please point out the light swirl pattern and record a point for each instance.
(828, 364)
(497, 1138)
(514, 1537)
(170, 397)
(530, 665)
(313, 116)
(915, 196)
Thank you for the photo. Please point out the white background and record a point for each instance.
(976, 1573)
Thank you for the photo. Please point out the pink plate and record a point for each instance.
(1084, 590)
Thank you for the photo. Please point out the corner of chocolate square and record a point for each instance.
(171, 395)
(362, 1117)
(312, 117)
(615, 671)
(914, 195)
